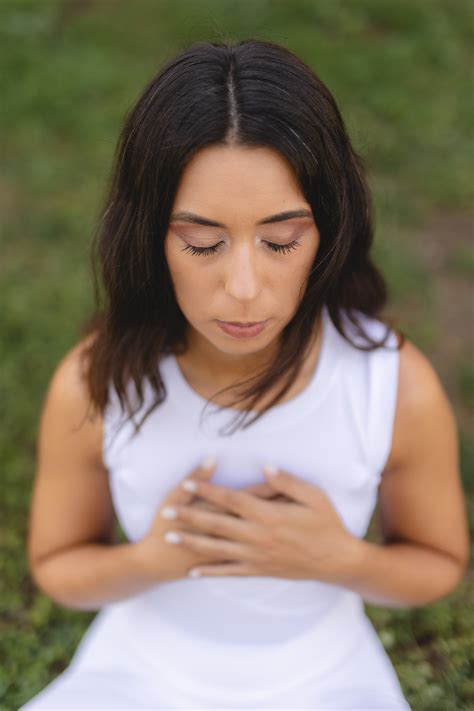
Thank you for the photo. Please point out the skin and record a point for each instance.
(424, 552)
(245, 280)
(422, 513)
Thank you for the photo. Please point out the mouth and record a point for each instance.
(241, 323)
(241, 330)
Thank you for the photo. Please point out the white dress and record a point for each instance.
(234, 642)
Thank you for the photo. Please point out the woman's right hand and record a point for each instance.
(164, 561)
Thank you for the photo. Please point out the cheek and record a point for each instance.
(187, 282)
(298, 270)
(297, 280)
(193, 293)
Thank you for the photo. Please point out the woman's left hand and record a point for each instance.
(302, 537)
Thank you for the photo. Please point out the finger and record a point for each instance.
(207, 506)
(222, 525)
(299, 490)
(263, 489)
(209, 546)
(203, 472)
(237, 501)
(232, 568)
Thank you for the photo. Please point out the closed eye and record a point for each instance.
(279, 248)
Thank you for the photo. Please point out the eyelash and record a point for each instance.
(206, 251)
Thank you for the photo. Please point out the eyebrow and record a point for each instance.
(279, 217)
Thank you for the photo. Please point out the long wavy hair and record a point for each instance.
(235, 93)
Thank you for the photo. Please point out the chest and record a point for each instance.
(325, 450)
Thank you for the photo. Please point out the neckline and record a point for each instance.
(279, 415)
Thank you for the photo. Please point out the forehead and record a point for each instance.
(238, 183)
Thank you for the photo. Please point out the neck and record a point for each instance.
(207, 364)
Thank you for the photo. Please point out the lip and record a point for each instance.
(246, 331)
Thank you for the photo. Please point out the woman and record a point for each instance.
(238, 199)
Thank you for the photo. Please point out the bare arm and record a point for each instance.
(71, 551)
(73, 554)
(422, 510)
(402, 574)
(92, 575)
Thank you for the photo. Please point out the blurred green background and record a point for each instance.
(402, 75)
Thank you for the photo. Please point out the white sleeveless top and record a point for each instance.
(235, 642)
(336, 433)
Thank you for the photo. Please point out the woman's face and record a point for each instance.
(244, 280)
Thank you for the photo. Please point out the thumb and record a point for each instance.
(204, 471)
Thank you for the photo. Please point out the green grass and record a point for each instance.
(466, 382)
(462, 261)
(401, 75)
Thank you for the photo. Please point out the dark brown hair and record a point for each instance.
(244, 93)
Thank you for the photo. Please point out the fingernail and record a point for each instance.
(169, 512)
(208, 462)
(172, 537)
(189, 485)
(195, 573)
(270, 470)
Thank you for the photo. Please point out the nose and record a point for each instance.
(242, 278)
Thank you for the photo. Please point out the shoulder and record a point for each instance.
(421, 493)
(68, 403)
(68, 381)
(70, 363)
(423, 409)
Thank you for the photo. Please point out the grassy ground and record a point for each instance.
(402, 75)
